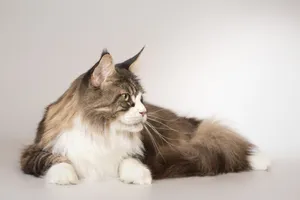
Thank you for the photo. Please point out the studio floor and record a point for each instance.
(280, 182)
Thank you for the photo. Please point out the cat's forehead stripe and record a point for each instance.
(129, 89)
(137, 97)
(133, 86)
(132, 89)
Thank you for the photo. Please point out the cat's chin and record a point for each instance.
(132, 128)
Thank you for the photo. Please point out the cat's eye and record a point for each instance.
(125, 96)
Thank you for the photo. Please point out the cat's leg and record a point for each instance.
(56, 169)
(133, 171)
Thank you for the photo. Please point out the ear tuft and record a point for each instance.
(104, 52)
(129, 64)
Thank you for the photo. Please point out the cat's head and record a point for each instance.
(113, 93)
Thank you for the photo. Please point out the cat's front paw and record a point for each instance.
(62, 174)
(132, 171)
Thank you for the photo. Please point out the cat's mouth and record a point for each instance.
(133, 124)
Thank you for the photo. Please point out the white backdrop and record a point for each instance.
(235, 60)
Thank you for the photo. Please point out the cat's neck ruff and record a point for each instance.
(96, 152)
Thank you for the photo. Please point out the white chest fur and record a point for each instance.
(96, 155)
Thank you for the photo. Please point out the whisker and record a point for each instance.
(160, 135)
(153, 141)
(167, 120)
(156, 111)
(152, 126)
(163, 124)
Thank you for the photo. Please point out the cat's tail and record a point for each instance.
(238, 152)
(38, 162)
(214, 149)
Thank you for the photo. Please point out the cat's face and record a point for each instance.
(134, 114)
(112, 92)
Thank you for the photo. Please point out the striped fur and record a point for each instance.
(36, 161)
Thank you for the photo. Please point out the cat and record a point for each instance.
(101, 127)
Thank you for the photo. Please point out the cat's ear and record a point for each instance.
(130, 64)
(104, 68)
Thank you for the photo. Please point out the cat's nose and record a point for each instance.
(143, 113)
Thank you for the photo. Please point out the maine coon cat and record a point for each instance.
(101, 127)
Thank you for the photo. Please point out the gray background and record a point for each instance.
(237, 61)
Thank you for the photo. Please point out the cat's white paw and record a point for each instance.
(258, 161)
(61, 174)
(132, 171)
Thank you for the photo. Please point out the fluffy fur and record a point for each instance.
(95, 155)
(101, 128)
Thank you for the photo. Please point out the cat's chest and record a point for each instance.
(96, 156)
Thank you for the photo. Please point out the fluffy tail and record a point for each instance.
(213, 149)
(36, 161)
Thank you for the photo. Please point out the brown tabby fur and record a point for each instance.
(175, 146)
(191, 147)
(37, 158)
